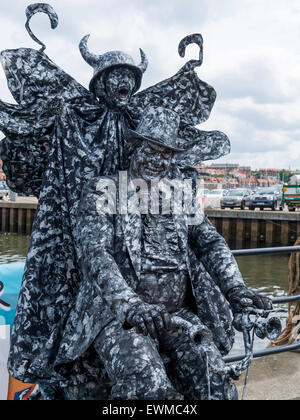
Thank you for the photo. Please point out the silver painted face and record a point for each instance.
(151, 161)
(119, 86)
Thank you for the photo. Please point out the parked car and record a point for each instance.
(212, 199)
(266, 198)
(218, 192)
(236, 198)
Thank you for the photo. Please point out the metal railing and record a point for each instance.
(284, 299)
(274, 250)
(261, 251)
(265, 352)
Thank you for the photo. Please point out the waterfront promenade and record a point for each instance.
(275, 377)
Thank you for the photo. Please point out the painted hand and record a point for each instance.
(149, 319)
(241, 297)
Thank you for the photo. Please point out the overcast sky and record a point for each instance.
(251, 58)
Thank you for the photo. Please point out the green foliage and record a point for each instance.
(285, 175)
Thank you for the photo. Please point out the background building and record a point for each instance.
(232, 175)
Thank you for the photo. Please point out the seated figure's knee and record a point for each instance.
(153, 386)
(135, 367)
(190, 376)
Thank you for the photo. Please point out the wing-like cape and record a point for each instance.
(184, 92)
(193, 100)
(39, 87)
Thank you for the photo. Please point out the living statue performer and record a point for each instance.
(143, 268)
(57, 137)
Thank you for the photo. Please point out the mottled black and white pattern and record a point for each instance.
(192, 39)
(31, 10)
(58, 137)
(159, 125)
(109, 60)
(44, 93)
(172, 366)
(134, 264)
(164, 273)
(40, 88)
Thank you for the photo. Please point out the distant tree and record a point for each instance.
(285, 175)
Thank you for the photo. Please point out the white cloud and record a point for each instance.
(251, 57)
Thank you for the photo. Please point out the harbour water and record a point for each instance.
(13, 248)
(267, 274)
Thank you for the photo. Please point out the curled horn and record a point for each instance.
(144, 62)
(192, 39)
(89, 57)
(31, 10)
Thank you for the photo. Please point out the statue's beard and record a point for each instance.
(148, 172)
(151, 172)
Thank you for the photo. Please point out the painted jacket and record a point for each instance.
(109, 252)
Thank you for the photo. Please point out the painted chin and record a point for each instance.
(153, 173)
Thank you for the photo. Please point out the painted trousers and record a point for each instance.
(171, 367)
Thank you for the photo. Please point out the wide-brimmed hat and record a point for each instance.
(110, 60)
(159, 125)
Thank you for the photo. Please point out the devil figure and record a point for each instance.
(57, 137)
